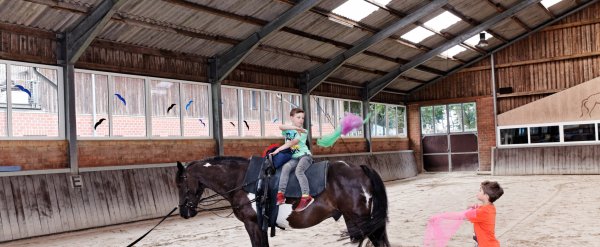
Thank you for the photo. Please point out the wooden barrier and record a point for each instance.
(579, 159)
(35, 205)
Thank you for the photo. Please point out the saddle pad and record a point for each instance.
(316, 173)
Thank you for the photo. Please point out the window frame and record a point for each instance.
(60, 96)
(337, 109)
(560, 125)
(148, 109)
(404, 133)
(260, 109)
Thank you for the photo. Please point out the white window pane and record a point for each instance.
(272, 109)
(129, 110)
(355, 9)
(455, 115)
(34, 93)
(250, 113)
(91, 104)
(550, 3)
(392, 121)
(377, 119)
(166, 109)
(470, 117)
(417, 35)
(453, 51)
(440, 119)
(3, 116)
(229, 99)
(442, 21)
(400, 111)
(195, 109)
(289, 102)
(315, 116)
(427, 120)
(326, 109)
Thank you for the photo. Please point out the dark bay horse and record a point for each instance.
(355, 192)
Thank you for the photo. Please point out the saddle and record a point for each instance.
(262, 179)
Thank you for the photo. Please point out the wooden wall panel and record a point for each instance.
(554, 59)
(554, 160)
(44, 204)
(28, 45)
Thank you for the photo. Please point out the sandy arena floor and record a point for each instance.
(534, 211)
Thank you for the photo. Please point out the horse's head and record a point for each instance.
(190, 192)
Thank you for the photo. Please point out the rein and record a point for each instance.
(187, 203)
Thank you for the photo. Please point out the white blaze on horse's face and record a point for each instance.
(207, 164)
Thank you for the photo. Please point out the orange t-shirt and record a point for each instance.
(484, 223)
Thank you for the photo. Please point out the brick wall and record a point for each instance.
(414, 133)
(485, 128)
(30, 123)
(34, 155)
(486, 136)
(130, 152)
(389, 144)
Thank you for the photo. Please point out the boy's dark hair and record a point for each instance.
(492, 189)
(296, 111)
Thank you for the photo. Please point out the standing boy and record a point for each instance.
(484, 215)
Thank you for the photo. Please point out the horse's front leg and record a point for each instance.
(257, 236)
(246, 214)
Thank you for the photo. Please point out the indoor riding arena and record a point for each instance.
(299, 123)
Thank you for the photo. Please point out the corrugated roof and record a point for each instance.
(211, 27)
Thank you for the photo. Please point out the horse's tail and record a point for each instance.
(583, 105)
(376, 229)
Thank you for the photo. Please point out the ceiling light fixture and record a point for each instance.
(482, 42)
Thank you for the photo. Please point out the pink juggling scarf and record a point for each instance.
(441, 227)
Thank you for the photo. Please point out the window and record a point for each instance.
(229, 101)
(327, 114)
(32, 107)
(91, 106)
(358, 9)
(455, 50)
(117, 105)
(559, 133)
(250, 114)
(3, 100)
(469, 116)
(550, 3)
(579, 132)
(355, 108)
(195, 108)
(439, 119)
(274, 114)
(128, 106)
(513, 136)
(387, 120)
(452, 118)
(166, 108)
(442, 21)
(255, 113)
(544, 134)
(417, 35)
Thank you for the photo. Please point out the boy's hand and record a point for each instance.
(275, 152)
(300, 130)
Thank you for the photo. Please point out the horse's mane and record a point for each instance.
(218, 159)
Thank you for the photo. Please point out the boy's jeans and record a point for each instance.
(301, 165)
